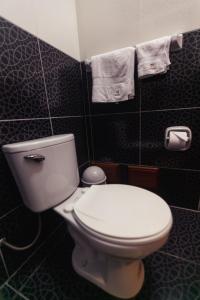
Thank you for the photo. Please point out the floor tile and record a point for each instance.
(3, 275)
(168, 278)
(184, 240)
(21, 276)
(7, 293)
(20, 228)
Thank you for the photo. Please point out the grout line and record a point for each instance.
(44, 118)
(27, 119)
(117, 113)
(84, 164)
(178, 257)
(145, 111)
(140, 127)
(188, 209)
(85, 118)
(90, 121)
(172, 109)
(4, 263)
(33, 253)
(16, 291)
(10, 212)
(65, 117)
(45, 87)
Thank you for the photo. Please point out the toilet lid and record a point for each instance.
(122, 211)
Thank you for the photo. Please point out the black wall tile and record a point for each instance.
(22, 92)
(180, 187)
(116, 138)
(63, 82)
(153, 132)
(75, 125)
(180, 86)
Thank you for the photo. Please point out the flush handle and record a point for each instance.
(35, 157)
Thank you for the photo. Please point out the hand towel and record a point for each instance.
(113, 76)
(153, 57)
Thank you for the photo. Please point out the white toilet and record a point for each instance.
(114, 226)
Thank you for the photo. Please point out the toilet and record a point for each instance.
(114, 226)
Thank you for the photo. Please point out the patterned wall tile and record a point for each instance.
(180, 188)
(11, 132)
(153, 132)
(124, 106)
(22, 93)
(63, 81)
(179, 87)
(184, 240)
(75, 125)
(116, 138)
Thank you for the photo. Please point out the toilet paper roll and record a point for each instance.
(177, 140)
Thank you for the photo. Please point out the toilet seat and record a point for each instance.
(122, 214)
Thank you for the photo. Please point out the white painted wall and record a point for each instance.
(102, 25)
(110, 24)
(54, 21)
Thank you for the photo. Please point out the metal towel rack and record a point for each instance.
(176, 45)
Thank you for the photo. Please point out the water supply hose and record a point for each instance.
(23, 248)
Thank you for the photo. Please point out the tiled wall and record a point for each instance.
(40, 95)
(132, 132)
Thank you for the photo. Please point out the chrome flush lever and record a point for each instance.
(35, 157)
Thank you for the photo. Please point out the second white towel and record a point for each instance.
(113, 76)
(153, 57)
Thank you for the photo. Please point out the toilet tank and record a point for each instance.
(46, 170)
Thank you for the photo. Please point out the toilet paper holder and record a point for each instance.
(178, 138)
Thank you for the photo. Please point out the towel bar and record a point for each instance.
(176, 44)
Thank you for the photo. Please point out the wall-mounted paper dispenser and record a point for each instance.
(178, 138)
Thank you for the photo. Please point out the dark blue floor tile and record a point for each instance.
(168, 278)
(3, 274)
(7, 293)
(184, 240)
(20, 228)
(22, 275)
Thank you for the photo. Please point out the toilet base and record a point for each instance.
(121, 278)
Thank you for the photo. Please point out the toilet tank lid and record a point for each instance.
(37, 143)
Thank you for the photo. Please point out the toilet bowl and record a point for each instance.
(109, 252)
(114, 226)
